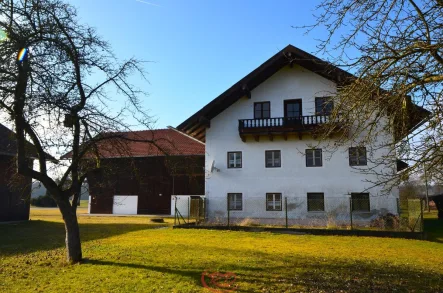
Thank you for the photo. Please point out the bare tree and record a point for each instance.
(394, 48)
(50, 95)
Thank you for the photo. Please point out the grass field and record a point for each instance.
(132, 254)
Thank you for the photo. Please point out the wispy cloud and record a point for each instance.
(149, 3)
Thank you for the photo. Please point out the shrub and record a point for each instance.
(388, 221)
(248, 222)
(43, 201)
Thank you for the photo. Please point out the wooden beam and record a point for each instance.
(285, 136)
(243, 138)
(201, 134)
(291, 60)
(204, 121)
(300, 136)
(198, 130)
(257, 138)
(246, 91)
(192, 129)
(271, 137)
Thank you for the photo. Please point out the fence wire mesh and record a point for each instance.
(188, 209)
(357, 211)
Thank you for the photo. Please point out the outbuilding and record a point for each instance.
(143, 178)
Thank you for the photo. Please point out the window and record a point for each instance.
(235, 202)
(273, 159)
(262, 110)
(324, 106)
(314, 158)
(360, 202)
(357, 156)
(293, 108)
(316, 202)
(273, 202)
(234, 160)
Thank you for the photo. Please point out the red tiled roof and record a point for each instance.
(147, 143)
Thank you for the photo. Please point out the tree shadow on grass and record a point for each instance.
(33, 236)
(295, 273)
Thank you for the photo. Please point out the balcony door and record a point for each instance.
(293, 112)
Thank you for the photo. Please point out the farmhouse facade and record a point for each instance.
(262, 152)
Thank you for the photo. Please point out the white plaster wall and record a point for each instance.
(294, 180)
(125, 205)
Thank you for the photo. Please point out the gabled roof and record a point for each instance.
(8, 145)
(166, 142)
(195, 125)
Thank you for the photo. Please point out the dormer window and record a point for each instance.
(262, 110)
(323, 105)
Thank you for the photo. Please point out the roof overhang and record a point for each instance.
(196, 125)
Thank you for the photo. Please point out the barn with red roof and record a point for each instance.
(143, 169)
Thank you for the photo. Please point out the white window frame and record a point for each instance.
(273, 165)
(360, 152)
(314, 157)
(235, 203)
(274, 201)
(237, 160)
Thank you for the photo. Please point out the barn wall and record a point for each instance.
(15, 192)
(152, 179)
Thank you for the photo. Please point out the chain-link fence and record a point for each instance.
(356, 211)
(411, 214)
(188, 209)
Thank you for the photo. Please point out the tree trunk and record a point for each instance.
(73, 244)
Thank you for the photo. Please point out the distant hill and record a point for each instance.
(38, 189)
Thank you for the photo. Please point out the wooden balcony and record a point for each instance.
(284, 126)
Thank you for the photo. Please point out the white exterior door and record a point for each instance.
(125, 205)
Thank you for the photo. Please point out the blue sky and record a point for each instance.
(197, 48)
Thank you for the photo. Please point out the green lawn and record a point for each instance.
(126, 254)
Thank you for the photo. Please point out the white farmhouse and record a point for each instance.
(262, 156)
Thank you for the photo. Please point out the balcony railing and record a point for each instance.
(285, 125)
(285, 122)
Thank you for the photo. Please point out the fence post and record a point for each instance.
(350, 211)
(286, 211)
(175, 211)
(421, 216)
(398, 207)
(189, 208)
(228, 209)
(197, 216)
